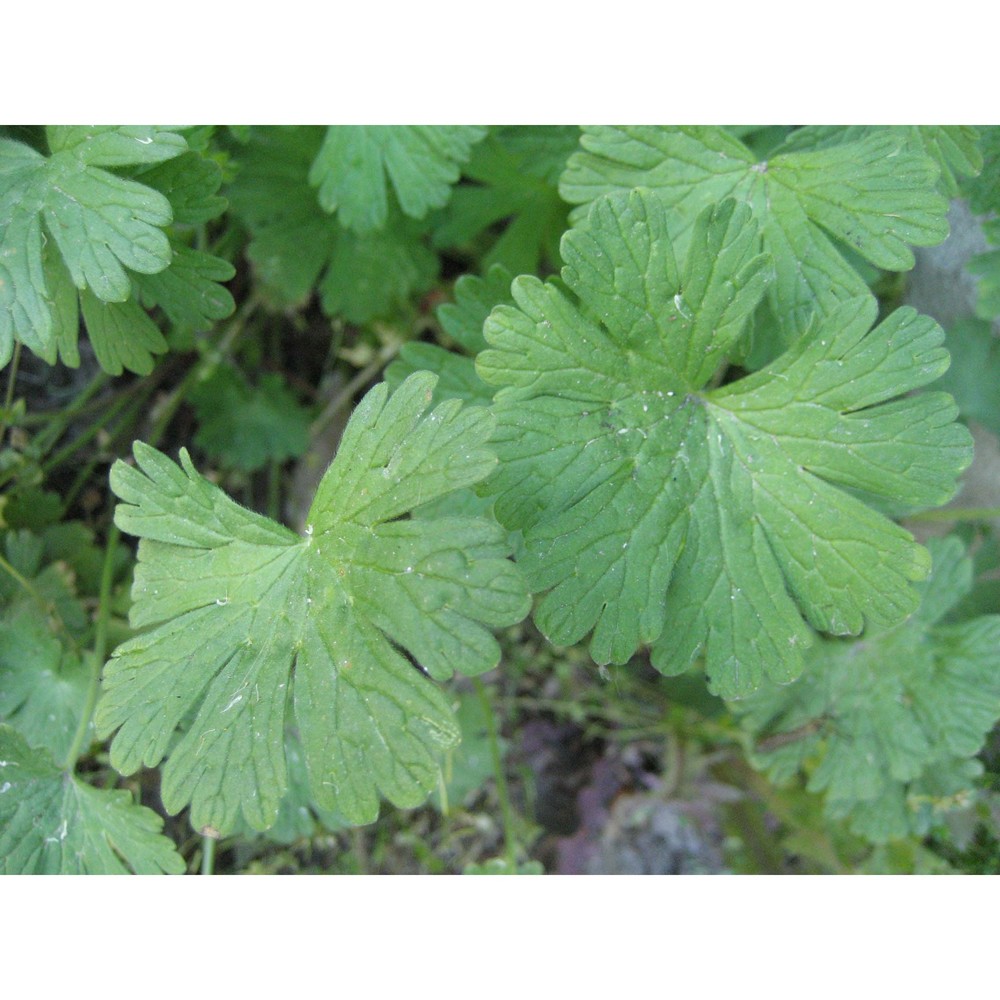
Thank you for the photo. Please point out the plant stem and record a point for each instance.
(274, 490)
(207, 855)
(94, 429)
(11, 384)
(99, 651)
(346, 395)
(509, 834)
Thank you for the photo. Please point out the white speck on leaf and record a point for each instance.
(235, 700)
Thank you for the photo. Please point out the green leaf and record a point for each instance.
(373, 274)
(295, 247)
(189, 291)
(469, 766)
(462, 321)
(250, 623)
(44, 674)
(298, 814)
(101, 223)
(983, 191)
(986, 268)
(953, 148)
(43, 687)
(516, 173)
(658, 511)
(191, 183)
(876, 196)
(421, 160)
(248, 426)
(51, 823)
(291, 237)
(122, 335)
(887, 726)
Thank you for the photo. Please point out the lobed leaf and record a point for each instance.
(252, 624)
(296, 248)
(876, 195)
(515, 174)
(248, 426)
(422, 162)
(657, 511)
(462, 321)
(887, 726)
(51, 823)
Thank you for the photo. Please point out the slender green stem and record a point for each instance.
(57, 422)
(673, 771)
(359, 849)
(81, 404)
(274, 490)
(100, 650)
(11, 384)
(509, 833)
(207, 855)
(346, 395)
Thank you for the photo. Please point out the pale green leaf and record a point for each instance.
(52, 823)
(657, 510)
(953, 148)
(102, 225)
(251, 623)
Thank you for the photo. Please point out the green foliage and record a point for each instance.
(516, 175)
(887, 726)
(954, 148)
(702, 450)
(975, 371)
(296, 248)
(462, 322)
(248, 426)
(43, 676)
(54, 824)
(109, 234)
(421, 160)
(874, 195)
(658, 510)
(254, 600)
